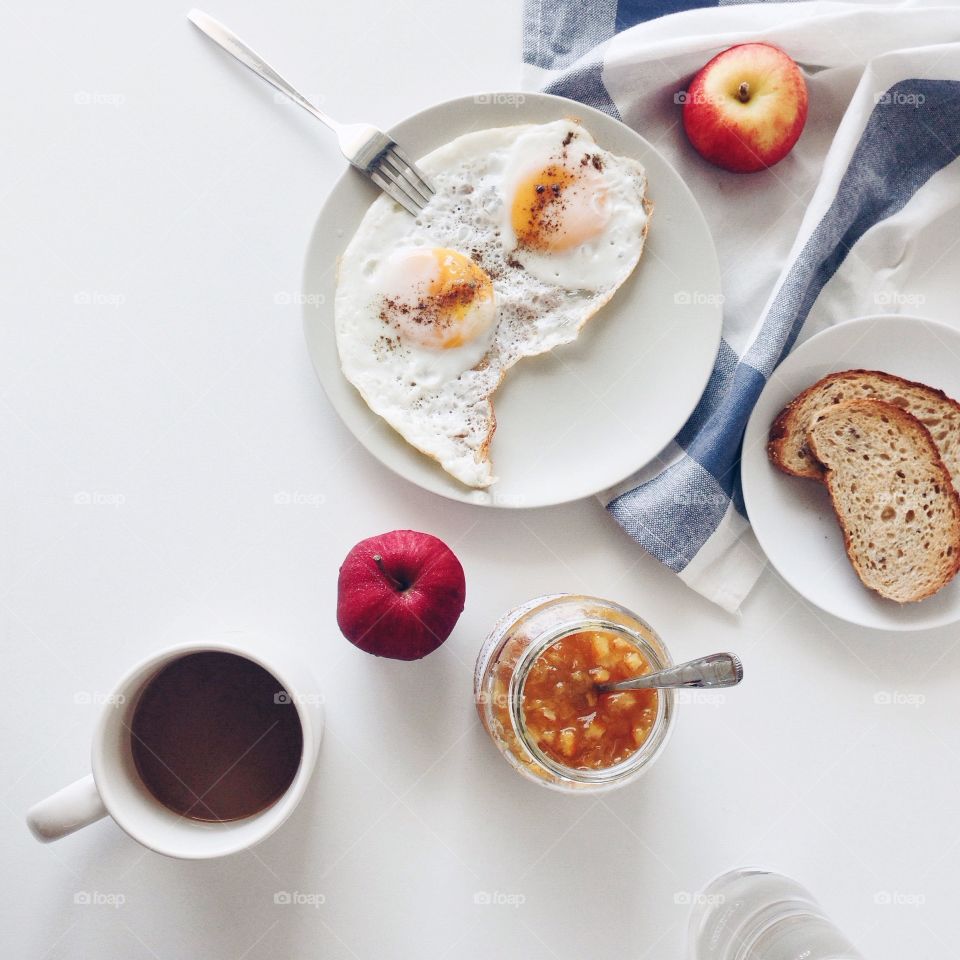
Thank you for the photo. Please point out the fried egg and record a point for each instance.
(531, 230)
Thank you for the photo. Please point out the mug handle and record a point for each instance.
(66, 810)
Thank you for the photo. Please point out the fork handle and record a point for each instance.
(230, 42)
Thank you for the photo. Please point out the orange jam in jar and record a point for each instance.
(569, 719)
(536, 691)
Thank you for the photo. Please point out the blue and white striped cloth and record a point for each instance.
(820, 238)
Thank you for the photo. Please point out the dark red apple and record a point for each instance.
(400, 594)
(746, 108)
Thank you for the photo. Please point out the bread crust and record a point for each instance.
(783, 427)
(908, 420)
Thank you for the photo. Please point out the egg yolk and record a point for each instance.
(453, 305)
(558, 208)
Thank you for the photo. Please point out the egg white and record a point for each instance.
(595, 263)
(440, 400)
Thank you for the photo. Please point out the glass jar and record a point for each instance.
(505, 660)
(753, 914)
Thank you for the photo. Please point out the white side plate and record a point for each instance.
(792, 517)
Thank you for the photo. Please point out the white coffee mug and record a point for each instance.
(115, 787)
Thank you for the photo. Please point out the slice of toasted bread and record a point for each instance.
(940, 414)
(893, 496)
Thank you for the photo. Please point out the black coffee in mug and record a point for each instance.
(215, 737)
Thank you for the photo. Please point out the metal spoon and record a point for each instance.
(715, 670)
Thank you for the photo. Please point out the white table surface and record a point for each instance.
(156, 202)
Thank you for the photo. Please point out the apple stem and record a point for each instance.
(743, 93)
(378, 560)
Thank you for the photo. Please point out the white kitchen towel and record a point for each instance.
(819, 238)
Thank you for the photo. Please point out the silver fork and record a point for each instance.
(367, 148)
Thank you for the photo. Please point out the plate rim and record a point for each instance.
(893, 626)
(487, 497)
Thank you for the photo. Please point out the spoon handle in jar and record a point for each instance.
(715, 670)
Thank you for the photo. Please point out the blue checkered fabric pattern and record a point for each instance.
(876, 140)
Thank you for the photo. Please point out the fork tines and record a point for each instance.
(400, 179)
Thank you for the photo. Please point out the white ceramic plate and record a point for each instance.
(792, 516)
(585, 416)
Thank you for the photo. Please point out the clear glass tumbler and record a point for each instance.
(751, 914)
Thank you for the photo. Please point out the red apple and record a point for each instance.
(400, 594)
(746, 108)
